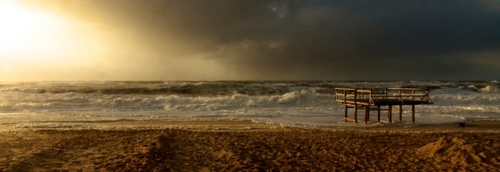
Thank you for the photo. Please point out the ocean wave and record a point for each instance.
(290, 101)
(170, 88)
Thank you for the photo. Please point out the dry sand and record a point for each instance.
(243, 146)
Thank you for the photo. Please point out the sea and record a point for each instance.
(81, 104)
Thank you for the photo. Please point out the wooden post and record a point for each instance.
(355, 105)
(400, 112)
(378, 113)
(367, 114)
(355, 113)
(345, 113)
(413, 113)
(389, 114)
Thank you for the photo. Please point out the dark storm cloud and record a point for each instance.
(261, 39)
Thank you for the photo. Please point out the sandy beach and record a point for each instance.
(245, 146)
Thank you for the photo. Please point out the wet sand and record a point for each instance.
(246, 146)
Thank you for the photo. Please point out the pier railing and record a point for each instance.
(382, 96)
(374, 98)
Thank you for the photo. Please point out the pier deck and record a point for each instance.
(376, 98)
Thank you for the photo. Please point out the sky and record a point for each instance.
(249, 40)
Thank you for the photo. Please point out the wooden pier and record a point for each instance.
(380, 99)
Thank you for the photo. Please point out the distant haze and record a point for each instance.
(250, 40)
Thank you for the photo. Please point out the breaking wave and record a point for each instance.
(308, 102)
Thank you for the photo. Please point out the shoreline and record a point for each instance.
(468, 126)
(249, 125)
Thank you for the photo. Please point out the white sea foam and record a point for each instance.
(490, 89)
(287, 103)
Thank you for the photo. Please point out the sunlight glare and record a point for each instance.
(31, 34)
(37, 41)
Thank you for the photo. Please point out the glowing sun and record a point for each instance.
(33, 34)
(37, 41)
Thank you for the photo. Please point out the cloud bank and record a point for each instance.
(295, 40)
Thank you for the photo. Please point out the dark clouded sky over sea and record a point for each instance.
(250, 40)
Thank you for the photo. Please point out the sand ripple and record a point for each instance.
(285, 150)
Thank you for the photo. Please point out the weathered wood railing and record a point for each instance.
(377, 97)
